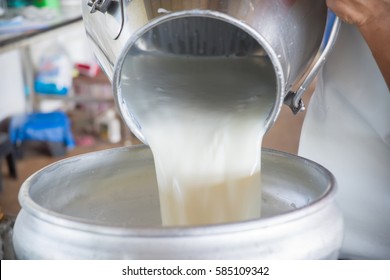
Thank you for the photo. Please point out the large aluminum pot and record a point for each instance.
(287, 34)
(104, 205)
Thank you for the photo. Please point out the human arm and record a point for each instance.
(372, 18)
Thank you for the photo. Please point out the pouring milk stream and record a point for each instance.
(205, 130)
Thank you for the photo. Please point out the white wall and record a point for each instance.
(12, 96)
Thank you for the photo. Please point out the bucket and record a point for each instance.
(287, 36)
(105, 205)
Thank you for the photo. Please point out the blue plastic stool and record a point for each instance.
(52, 128)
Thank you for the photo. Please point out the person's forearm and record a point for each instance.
(372, 17)
(377, 36)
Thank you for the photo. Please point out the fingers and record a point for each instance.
(356, 12)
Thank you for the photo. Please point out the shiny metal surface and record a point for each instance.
(104, 205)
(99, 5)
(289, 33)
(297, 103)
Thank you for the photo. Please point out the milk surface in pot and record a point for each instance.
(204, 120)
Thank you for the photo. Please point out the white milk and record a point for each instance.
(204, 121)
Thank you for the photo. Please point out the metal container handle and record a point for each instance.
(294, 99)
(99, 5)
(113, 11)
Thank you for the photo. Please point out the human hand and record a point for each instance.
(372, 18)
(360, 12)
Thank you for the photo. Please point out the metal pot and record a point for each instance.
(287, 34)
(104, 205)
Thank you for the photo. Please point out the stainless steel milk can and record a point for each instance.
(288, 32)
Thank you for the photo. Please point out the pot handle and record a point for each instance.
(293, 99)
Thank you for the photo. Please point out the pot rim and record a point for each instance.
(52, 217)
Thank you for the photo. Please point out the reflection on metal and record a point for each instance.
(112, 14)
(294, 100)
(99, 5)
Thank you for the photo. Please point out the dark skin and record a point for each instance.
(372, 18)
